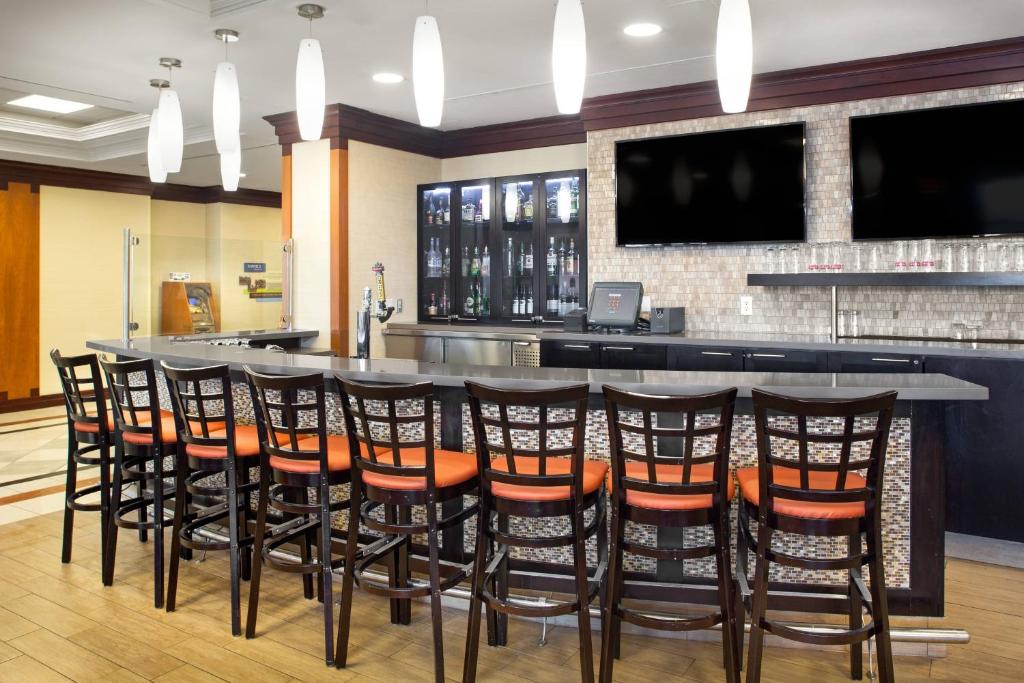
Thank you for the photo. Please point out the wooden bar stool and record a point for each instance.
(552, 479)
(147, 437)
(298, 455)
(809, 453)
(691, 490)
(210, 443)
(397, 468)
(91, 435)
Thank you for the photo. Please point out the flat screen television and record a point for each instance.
(950, 172)
(744, 185)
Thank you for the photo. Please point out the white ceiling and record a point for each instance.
(497, 55)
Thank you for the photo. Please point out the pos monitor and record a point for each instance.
(615, 304)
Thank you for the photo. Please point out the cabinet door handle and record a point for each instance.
(578, 347)
(715, 353)
(619, 348)
(520, 343)
(545, 320)
(892, 360)
(467, 319)
(767, 355)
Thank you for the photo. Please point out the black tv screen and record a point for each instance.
(743, 185)
(951, 172)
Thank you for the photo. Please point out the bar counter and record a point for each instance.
(914, 491)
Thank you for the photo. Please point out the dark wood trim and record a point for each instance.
(963, 66)
(13, 405)
(84, 179)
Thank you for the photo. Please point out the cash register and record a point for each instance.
(615, 306)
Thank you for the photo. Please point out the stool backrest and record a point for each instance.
(825, 445)
(705, 434)
(82, 385)
(508, 437)
(133, 395)
(202, 404)
(379, 434)
(286, 417)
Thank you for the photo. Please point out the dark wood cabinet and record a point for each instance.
(627, 356)
(844, 361)
(570, 354)
(776, 360)
(720, 359)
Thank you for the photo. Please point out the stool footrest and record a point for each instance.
(669, 623)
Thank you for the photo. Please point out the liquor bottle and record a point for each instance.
(465, 261)
(467, 306)
(430, 259)
(561, 257)
(478, 212)
(428, 211)
(432, 308)
(485, 271)
(552, 305)
(437, 257)
(574, 204)
(508, 258)
(447, 209)
(528, 263)
(446, 263)
(517, 302)
(552, 259)
(521, 262)
(445, 304)
(571, 258)
(529, 300)
(519, 205)
(439, 214)
(474, 265)
(528, 209)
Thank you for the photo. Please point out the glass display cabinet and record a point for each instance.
(508, 250)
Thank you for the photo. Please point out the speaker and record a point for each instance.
(669, 320)
(576, 321)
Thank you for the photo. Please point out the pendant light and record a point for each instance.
(564, 202)
(428, 71)
(230, 169)
(734, 55)
(511, 202)
(226, 105)
(569, 56)
(310, 81)
(172, 134)
(157, 173)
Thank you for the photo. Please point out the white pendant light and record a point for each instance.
(157, 174)
(511, 202)
(569, 56)
(230, 169)
(564, 200)
(734, 55)
(428, 71)
(172, 133)
(310, 81)
(226, 105)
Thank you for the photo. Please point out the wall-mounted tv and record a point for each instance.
(950, 172)
(744, 185)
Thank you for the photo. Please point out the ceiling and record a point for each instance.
(497, 59)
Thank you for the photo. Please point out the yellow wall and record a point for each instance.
(80, 241)
(178, 234)
(382, 227)
(311, 230)
(521, 161)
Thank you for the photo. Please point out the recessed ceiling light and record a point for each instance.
(642, 30)
(388, 77)
(51, 104)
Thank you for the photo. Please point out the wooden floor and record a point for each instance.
(58, 622)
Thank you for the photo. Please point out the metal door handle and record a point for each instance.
(715, 353)
(520, 343)
(618, 348)
(892, 360)
(582, 347)
(767, 355)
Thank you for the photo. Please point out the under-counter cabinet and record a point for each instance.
(779, 360)
(717, 359)
(570, 354)
(874, 362)
(626, 356)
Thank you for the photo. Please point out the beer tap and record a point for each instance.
(381, 311)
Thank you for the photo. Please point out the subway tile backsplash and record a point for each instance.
(709, 280)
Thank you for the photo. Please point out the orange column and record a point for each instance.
(19, 283)
(339, 251)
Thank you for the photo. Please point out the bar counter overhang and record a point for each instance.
(914, 491)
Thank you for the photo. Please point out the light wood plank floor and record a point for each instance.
(58, 622)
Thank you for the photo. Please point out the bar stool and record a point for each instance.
(692, 489)
(398, 468)
(552, 479)
(807, 482)
(91, 429)
(298, 455)
(204, 417)
(147, 437)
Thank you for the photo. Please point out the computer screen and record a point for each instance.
(615, 304)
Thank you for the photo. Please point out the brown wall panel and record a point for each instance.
(19, 289)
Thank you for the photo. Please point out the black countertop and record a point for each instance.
(924, 386)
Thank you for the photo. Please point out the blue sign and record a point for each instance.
(253, 267)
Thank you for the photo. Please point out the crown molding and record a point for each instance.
(222, 8)
(37, 175)
(55, 131)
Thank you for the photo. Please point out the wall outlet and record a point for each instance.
(746, 305)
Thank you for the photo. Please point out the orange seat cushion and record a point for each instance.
(168, 430)
(672, 473)
(594, 472)
(789, 476)
(338, 459)
(450, 469)
(94, 427)
(247, 444)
